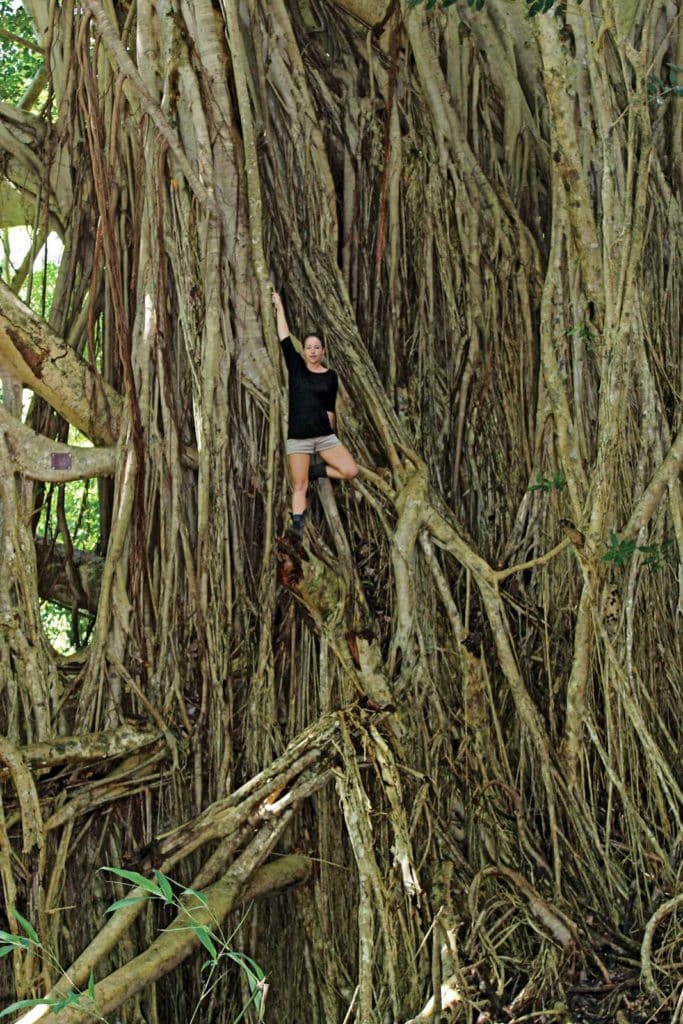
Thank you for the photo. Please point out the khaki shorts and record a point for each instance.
(311, 445)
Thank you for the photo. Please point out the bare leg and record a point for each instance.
(298, 468)
(340, 463)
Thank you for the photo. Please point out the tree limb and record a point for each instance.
(87, 747)
(670, 467)
(45, 363)
(41, 458)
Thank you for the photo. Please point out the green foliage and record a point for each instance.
(162, 889)
(66, 629)
(584, 332)
(39, 289)
(31, 941)
(185, 899)
(56, 1004)
(26, 925)
(659, 90)
(618, 551)
(19, 63)
(656, 555)
(556, 482)
(171, 894)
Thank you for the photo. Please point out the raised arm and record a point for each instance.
(282, 325)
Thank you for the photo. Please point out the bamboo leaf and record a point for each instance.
(26, 925)
(165, 886)
(70, 999)
(22, 1004)
(126, 902)
(15, 940)
(199, 896)
(136, 878)
(204, 936)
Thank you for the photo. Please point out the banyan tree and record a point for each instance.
(431, 770)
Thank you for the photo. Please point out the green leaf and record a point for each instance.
(125, 903)
(18, 941)
(618, 551)
(244, 959)
(136, 878)
(70, 999)
(23, 1004)
(541, 483)
(254, 974)
(199, 896)
(165, 886)
(26, 925)
(538, 7)
(91, 985)
(4, 950)
(204, 936)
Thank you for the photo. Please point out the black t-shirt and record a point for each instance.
(311, 396)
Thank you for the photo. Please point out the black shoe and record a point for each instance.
(297, 524)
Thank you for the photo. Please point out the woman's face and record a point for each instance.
(313, 350)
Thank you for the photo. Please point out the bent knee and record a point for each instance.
(351, 472)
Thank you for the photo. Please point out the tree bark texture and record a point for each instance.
(463, 708)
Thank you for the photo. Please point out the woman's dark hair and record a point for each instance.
(313, 333)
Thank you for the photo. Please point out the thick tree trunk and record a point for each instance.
(481, 213)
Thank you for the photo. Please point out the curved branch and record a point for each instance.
(660, 913)
(28, 44)
(670, 467)
(45, 363)
(41, 458)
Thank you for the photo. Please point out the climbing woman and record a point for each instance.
(312, 396)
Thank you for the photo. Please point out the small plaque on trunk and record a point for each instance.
(61, 460)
